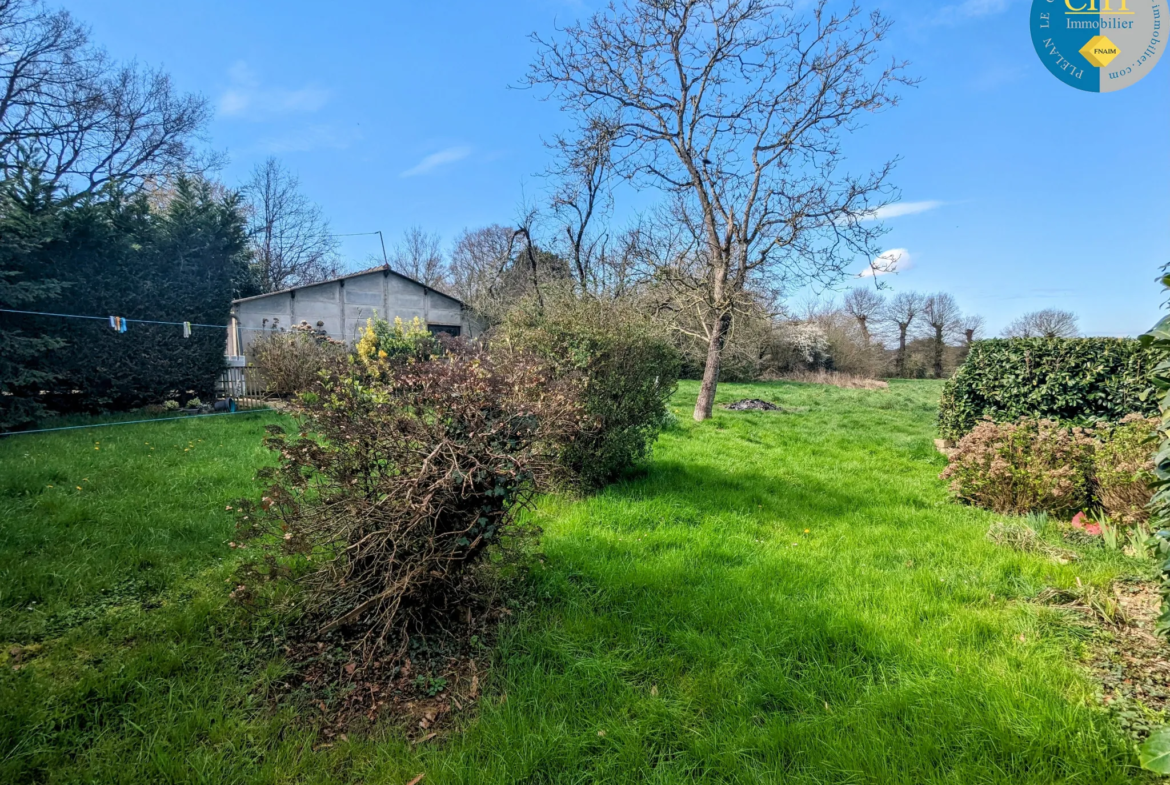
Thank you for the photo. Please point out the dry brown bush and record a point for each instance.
(1021, 467)
(289, 361)
(835, 378)
(1123, 468)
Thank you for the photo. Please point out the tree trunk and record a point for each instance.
(900, 362)
(938, 352)
(706, 399)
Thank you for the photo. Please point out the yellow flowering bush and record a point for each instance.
(380, 340)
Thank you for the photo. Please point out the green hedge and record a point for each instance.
(630, 369)
(116, 255)
(1065, 379)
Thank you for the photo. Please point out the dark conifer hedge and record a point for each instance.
(113, 255)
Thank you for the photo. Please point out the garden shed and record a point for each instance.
(342, 305)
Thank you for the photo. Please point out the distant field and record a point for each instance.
(777, 597)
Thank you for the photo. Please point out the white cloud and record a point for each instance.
(899, 209)
(433, 161)
(312, 137)
(248, 98)
(895, 260)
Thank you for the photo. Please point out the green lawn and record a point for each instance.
(776, 598)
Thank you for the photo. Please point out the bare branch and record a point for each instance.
(736, 108)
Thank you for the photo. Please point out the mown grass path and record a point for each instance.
(776, 597)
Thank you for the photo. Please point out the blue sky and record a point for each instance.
(1021, 192)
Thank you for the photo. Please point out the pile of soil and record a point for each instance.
(752, 404)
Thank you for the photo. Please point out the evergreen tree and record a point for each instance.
(113, 254)
(29, 225)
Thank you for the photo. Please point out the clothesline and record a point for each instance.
(139, 321)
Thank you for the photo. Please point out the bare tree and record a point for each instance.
(82, 117)
(866, 306)
(941, 313)
(1047, 323)
(495, 267)
(479, 260)
(901, 311)
(627, 266)
(291, 241)
(582, 195)
(419, 255)
(735, 107)
(973, 325)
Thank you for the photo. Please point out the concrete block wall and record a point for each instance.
(341, 307)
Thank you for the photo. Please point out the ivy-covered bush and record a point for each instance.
(403, 474)
(1076, 380)
(630, 372)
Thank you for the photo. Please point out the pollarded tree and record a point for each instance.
(972, 326)
(941, 313)
(1047, 323)
(866, 306)
(582, 197)
(901, 311)
(736, 107)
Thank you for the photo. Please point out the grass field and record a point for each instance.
(777, 597)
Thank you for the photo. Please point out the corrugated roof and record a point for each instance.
(379, 269)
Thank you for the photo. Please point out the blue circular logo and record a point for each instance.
(1098, 45)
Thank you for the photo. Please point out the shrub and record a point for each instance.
(1022, 467)
(630, 372)
(402, 477)
(1123, 468)
(383, 341)
(1067, 379)
(290, 360)
(1157, 342)
(1033, 466)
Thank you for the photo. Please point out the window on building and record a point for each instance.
(450, 329)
